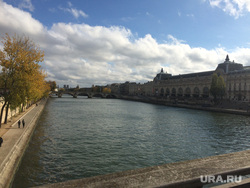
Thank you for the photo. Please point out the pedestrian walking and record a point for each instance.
(1, 141)
(23, 123)
(19, 123)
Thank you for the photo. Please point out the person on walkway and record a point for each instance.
(1, 141)
(23, 123)
(19, 123)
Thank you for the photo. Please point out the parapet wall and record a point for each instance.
(185, 174)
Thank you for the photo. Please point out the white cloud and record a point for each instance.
(127, 19)
(174, 40)
(75, 12)
(70, 4)
(85, 55)
(26, 4)
(190, 15)
(13, 19)
(179, 13)
(235, 8)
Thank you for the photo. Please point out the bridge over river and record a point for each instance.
(82, 92)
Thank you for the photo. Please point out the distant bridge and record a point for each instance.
(83, 92)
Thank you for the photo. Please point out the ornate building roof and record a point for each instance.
(229, 66)
(226, 67)
(162, 75)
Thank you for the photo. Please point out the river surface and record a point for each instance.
(77, 138)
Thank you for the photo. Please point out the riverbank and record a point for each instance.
(191, 105)
(15, 142)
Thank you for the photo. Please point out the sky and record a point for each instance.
(109, 41)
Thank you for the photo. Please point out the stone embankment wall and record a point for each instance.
(14, 153)
(233, 109)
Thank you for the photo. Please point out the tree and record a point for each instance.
(218, 86)
(52, 85)
(214, 88)
(22, 78)
(97, 89)
(106, 90)
(61, 90)
(221, 87)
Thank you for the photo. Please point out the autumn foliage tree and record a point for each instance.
(106, 90)
(21, 80)
(52, 85)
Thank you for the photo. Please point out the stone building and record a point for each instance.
(197, 85)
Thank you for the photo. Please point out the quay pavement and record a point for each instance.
(15, 141)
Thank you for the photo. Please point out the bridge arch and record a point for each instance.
(60, 94)
(111, 96)
(84, 94)
(100, 95)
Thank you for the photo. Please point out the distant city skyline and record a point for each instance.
(102, 42)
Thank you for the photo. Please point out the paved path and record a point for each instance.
(15, 140)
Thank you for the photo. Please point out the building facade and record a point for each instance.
(197, 85)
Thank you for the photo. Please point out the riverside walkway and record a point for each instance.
(15, 141)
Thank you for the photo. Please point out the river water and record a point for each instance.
(77, 138)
